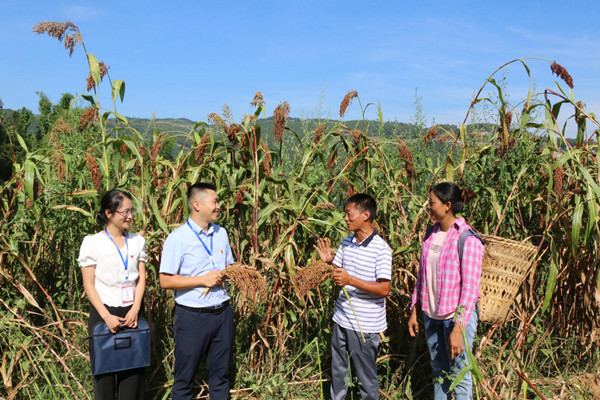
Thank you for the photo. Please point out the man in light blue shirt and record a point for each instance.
(192, 259)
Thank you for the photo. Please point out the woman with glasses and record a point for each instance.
(113, 268)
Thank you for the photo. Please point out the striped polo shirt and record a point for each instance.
(370, 260)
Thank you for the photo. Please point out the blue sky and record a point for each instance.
(188, 58)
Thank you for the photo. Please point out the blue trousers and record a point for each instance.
(345, 344)
(444, 368)
(197, 335)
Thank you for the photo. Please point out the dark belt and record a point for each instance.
(208, 310)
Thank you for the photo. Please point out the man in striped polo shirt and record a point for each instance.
(364, 262)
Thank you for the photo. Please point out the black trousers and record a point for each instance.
(199, 334)
(123, 385)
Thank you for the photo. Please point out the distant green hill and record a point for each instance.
(169, 125)
(302, 127)
(390, 129)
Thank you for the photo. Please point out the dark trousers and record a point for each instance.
(124, 385)
(348, 344)
(199, 334)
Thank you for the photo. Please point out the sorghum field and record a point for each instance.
(279, 188)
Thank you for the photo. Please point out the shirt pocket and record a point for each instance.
(220, 258)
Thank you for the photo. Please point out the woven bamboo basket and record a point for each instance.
(505, 264)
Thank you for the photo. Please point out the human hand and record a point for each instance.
(323, 247)
(413, 324)
(455, 342)
(113, 322)
(131, 318)
(213, 278)
(341, 277)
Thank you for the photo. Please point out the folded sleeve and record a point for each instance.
(87, 253)
(229, 255)
(383, 264)
(171, 256)
(143, 256)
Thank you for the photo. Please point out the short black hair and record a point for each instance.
(111, 201)
(196, 188)
(449, 192)
(364, 202)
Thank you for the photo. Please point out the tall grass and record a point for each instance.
(539, 187)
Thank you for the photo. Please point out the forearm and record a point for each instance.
(415, 295)
(95, 300)
(414, 306)
(463, 311)
(379, 288)
(414, 312)
(179, 282)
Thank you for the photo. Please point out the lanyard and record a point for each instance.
(126, 259)
(203, 244)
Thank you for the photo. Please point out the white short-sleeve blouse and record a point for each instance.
(110, 272)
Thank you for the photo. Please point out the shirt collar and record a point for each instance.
(367, 240)
(458, 225)
(197, 229)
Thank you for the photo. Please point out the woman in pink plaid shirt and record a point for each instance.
(447, 291)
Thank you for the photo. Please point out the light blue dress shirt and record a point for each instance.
(183, 254)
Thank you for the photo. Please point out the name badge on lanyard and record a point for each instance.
(210, 252)
(127, 292)
(126, 286)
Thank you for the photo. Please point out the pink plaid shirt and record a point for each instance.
(458, 285)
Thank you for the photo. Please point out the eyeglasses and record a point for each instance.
(125, 213)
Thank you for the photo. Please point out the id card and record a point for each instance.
(127, 293)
